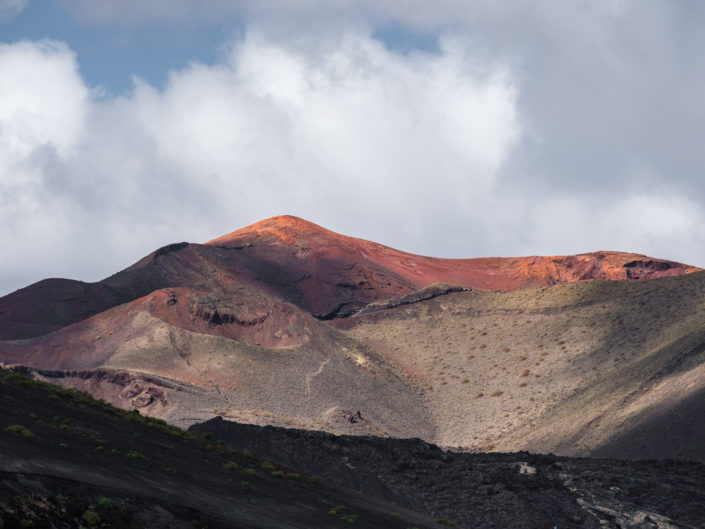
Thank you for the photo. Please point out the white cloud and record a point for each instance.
(661, 224)
(11, 8)
(343, 136)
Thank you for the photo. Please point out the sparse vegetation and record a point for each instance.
(91, 518)
(231, 465)
(18, 429)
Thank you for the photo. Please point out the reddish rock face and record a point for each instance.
(247, 273)
(331, 275)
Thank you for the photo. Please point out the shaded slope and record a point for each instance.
(51, 304)
(674, 429)
(63, 454)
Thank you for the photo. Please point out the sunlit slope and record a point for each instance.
(162, 354)
(571, 369)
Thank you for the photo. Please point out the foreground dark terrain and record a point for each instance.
(68, 461)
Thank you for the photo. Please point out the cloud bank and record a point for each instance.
(354, 137)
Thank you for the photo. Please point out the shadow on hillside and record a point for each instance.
(676, 431)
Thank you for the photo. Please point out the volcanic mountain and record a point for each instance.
(284, 322)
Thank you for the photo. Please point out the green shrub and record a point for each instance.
(277, 473)
(351, 519)
(19, 430)
(266, 465)
(336, 510)
(32, 416)
(443, 521)
(25, 382)
(105, 503)
(231, 465)
(250, 472)
(245, 485)
(134, 454)
(91, 518)
(314, 480)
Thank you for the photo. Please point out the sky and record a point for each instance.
(446, 128)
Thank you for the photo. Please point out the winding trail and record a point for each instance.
(317, 372)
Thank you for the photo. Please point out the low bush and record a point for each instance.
(231, 465)
(91, 518)
(18, 429)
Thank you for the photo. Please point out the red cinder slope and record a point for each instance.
(332, 275)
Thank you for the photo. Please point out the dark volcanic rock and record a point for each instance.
(505, 491)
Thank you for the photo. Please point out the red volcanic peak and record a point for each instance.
(327, 259)
(288, 259)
